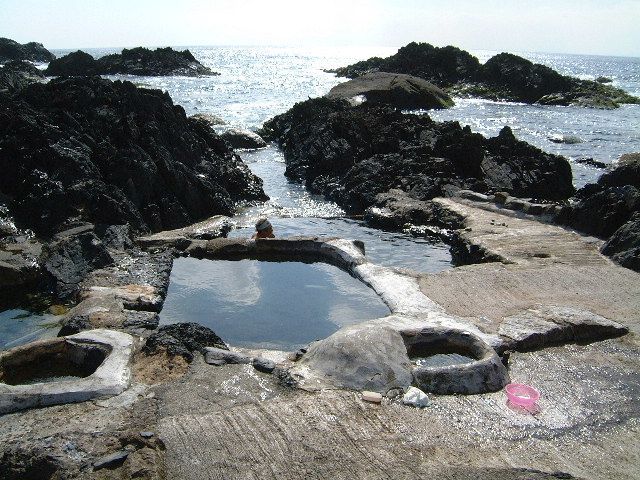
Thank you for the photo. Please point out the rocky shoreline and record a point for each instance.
(90, 163)
(503, 77)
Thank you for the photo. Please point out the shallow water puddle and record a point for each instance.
(279, 305)
(442, 360)
(18, 327)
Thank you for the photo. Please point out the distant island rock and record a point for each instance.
(503, 77)
(354, 153)
(396, 89)
(32, 51)
(136, 61)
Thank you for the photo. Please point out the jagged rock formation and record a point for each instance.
(17, 74)
(88, 149)
(352, 154)
(503, 77)
(610, 209)
(32, 51)
(135, 61)
(79, 152)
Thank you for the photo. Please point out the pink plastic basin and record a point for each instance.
(521, 394)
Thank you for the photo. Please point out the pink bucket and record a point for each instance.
(521, 394)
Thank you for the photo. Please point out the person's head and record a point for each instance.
(264, 227)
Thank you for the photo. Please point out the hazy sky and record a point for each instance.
(610, 27)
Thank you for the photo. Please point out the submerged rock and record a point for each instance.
(135, 61)
(32, 51)
(109, 153)
(352, 154)
(397, 90)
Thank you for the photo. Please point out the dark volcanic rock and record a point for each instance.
(135, 61)
(624, 244)
(610, 209)
(502, 77)
(71, 256)
(18, 74)
(73, 64)
(32, 51)
(109, 153)
(441, 66)
(183, 339)
(521, 80)
(395, 89)
(352, 154)
(605, 206)
(243, 139)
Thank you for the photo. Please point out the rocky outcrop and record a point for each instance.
(92, 150)
(610, 209)
(183, 339)
(135, 61)
(76, 63)
(443, 67)
(243, 139)
(352, 154)
(17, 74)
(32, 51)
(503, 77)
(398, 90)
(624, 245)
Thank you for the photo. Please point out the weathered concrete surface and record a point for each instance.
(112, 377)
(214, 227)
(485, 373)
(63, 441)
(232, 422)
(549, 267)
(126, 296)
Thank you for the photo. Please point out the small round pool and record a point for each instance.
(259, 304)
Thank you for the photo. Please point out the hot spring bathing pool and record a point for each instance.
(260, 304)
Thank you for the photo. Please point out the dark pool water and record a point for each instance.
(18, 327)
(278, 305)
(442, 360)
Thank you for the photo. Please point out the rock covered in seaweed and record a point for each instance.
(503, 77)
(135, 61)
(352, 154)
(32, 51)
(92, 150)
